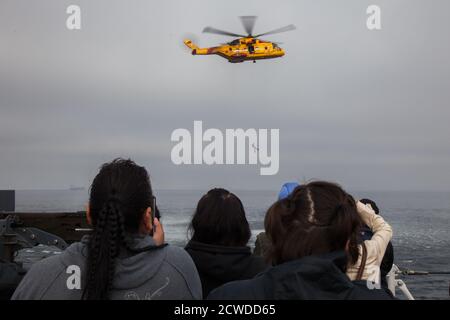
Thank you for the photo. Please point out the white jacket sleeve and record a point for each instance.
(382, 232)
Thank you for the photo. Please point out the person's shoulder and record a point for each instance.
(60, 261)
(251, 289)
(177, 254)
(257, 265)
(179, 259)
(181, 262)
(49, 265)
(39, 278)
(42, 274)
(229, 291)
(258, 260)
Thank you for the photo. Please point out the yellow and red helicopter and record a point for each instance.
(247, 47)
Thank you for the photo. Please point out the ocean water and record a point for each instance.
(421, 223)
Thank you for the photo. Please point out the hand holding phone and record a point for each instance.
(157, 229)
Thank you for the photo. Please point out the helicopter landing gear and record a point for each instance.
(254, 61)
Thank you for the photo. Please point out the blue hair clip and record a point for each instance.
(287, 189)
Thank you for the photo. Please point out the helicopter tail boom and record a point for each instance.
(196, 49)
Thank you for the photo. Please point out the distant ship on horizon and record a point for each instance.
(75, 188)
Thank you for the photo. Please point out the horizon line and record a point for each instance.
(236, 189)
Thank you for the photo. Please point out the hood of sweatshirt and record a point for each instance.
(224, 263)
(312, 277)
(319, 277)
(132, 269)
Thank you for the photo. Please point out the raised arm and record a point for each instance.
(382, 231)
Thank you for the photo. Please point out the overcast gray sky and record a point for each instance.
(368, 109)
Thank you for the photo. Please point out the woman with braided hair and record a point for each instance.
(314, 237)
(124, 257)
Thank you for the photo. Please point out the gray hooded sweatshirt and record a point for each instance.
(167, 273)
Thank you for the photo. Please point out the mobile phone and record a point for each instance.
(154, 214)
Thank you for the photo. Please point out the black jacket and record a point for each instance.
(314, 277)
(217, 265)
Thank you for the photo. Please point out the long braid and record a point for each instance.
(115, 242)
(104, 247)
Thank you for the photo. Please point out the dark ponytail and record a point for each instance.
(120, 194)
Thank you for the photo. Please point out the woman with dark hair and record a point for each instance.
(119, 259)
(314, 236)
(219, 236)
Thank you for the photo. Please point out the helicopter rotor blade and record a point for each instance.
(222, 32)
(279, 30)
(248, 22)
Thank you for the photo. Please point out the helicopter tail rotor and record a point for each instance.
(190, 44)
(187, 36)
